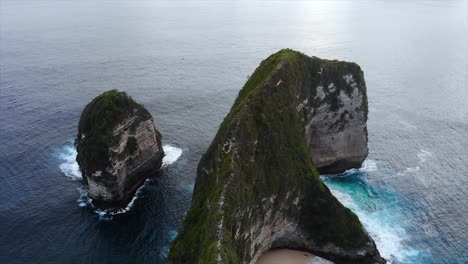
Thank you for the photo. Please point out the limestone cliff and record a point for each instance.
(118, 147)
(257, 187)
(334, 113)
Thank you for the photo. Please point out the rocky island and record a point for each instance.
(118, 148)
(258, 185)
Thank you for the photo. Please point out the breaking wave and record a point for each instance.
(172, 154)
(70, 168)
(377, 210)
(369, 165)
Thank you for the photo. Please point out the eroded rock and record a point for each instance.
(118, 148)
(257, 187)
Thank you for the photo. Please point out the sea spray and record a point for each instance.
(377, 209)
(70, 169)
(171, 154)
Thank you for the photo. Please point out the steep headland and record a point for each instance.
(118, 147)
(257, 187)
(334, 114)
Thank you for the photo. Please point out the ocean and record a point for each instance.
(186, 62)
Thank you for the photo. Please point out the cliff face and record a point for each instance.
(335, 115)
(118, 147)
(257, 187)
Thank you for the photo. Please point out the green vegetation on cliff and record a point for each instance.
(258, 172)
(96, 125)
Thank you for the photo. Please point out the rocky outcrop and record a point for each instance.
(118, 148)
(257, 187)
(335, 115)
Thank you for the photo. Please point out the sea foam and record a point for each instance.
(70, 169)
(383, 227)
(369, 165)
(377, 210)
(423, 155)
(172, 154)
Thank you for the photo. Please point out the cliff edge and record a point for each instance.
(257, 187)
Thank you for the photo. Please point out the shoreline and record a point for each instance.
(290, 256)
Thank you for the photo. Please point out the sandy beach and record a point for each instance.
(288, 256)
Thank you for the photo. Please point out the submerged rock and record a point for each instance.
(118, 148)
(257, 187)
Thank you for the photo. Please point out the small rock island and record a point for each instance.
(118, 148)
(258, 185)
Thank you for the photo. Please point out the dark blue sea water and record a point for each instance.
(186, 61)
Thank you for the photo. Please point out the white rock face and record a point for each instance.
(137, 152)
(334, 109)
(118, 148)
(256, 187)
(337, 135)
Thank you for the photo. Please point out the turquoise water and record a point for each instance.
(379, 207)
(186, 61)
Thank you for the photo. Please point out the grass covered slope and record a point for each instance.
(257, 186)
(95, 129)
